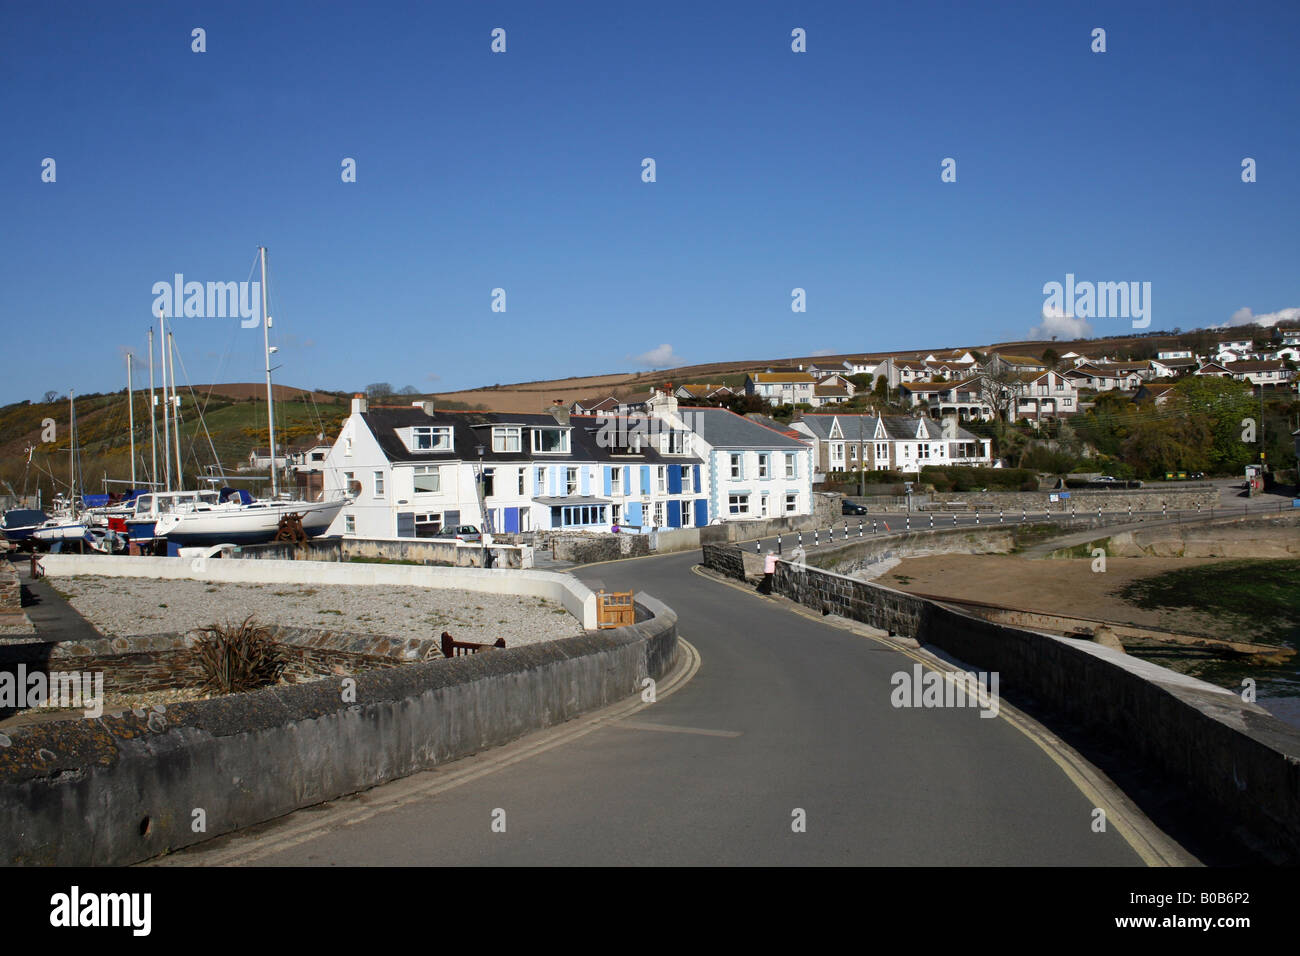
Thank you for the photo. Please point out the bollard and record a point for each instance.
(1022, 515)
(815, 537)
(1164, 509)
(859, 527)
(999, 516)
(1198, 507)
(908, 523)
(778, 544)
(931, 519)
(801, 539)
(977, 517)
(758, 546)
(1098, 512)
(873, 525)
(954, 519)
(846, 529)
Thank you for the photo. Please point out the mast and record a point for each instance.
(270, 401)
(153, 417)
(167, 427)
(130, 407)
(72, 451)
(176, 409)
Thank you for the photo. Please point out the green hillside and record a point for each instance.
(234, 426)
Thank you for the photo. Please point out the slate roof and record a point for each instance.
(725, 429)
(898, 427)
(470, 429)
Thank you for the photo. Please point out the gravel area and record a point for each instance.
(129, 606)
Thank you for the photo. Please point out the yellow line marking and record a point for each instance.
(335, 814)
(1148, 841)
(669, 728)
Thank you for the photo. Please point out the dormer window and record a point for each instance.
(431, 438)
(505, 438)
(676, 443)
(551, 441)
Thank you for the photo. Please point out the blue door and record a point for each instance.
(701, 512)
(512, 520)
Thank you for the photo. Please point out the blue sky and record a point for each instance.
(522, 171)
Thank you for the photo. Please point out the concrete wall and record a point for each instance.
(590, 548)
(576, 597)
(116, 790)
(1254, 537)
(1237, 756)
(420, 550)
(1184, 498)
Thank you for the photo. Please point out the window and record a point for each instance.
(882, 449)
(686, 513)
(489, 482)
(574, 515)
(738, 504)
(688, 487)
(379, 484)
(431, 438)
(550, 441)
(923, 450)
(505, 438)
(659, 514)
(428, 525)
(737, 469)
(349, 524)
(1067, 403)
(677, 443)
(541, 481)
(616, 482)
(764, 466)
(789, 465)
(522, 473)
(853, 453)
(427, 479)
(791, 504)
(347, 445)
(570, 481)
(837, 452)
(661, 479)
(616, 513)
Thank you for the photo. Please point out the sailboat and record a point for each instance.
(70, 522)
(240, 519)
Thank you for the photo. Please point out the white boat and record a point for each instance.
(239, 523)
(247, 521)
(142, 522)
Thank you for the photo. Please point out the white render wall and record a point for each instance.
(576, 597)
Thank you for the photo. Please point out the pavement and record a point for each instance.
(778, 745)
(52, 617)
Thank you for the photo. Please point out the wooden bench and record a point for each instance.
(451, 647)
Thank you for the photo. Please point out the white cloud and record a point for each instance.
(661, 356)
(432, 377)
(1243, 316)
(1057, 323)
(817, 352)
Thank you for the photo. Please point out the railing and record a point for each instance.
(451, 647)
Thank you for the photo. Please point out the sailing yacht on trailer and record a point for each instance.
(240, 519)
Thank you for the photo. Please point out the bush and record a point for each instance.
(238, 657)
(966, 478)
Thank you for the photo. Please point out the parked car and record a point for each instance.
(852, 508)
(1104, 478)
(464, 532)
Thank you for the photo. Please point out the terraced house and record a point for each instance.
(415, 471)
(749, 470)
(889, 442)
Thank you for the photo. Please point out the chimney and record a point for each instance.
(559, 411)
(359, 404)
(425, 406)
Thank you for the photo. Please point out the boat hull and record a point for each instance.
(253, 524)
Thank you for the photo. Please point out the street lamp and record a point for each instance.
(482, 497)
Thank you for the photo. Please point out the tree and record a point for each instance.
(50, 396)
(377, 391)
(409, 390)
(998, 390)
(1050, 358)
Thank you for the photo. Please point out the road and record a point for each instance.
(786, 713)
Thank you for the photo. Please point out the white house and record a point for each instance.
(415, 471)
(781, 388)
(750, 470)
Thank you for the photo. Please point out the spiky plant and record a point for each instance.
(238, 657)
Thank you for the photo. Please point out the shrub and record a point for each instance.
(238, 657)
